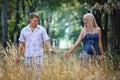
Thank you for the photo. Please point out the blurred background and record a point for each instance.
(62, 19)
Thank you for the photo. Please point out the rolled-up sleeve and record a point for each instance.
(22, 38)
(44, 35)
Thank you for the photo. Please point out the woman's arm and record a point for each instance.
(77, 42)
(100, 42)
(67, 53)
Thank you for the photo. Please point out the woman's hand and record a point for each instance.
(102, 58)
(67, 54)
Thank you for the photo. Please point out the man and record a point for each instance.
(32, 37)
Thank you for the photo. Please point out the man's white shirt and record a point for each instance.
(33, 40)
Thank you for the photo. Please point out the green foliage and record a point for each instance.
(75, 33)
(11, 24)
(11, 9)
(65, 14)
(110, 6)
(67, 17)
(23, 21)
(107, 6)
(113, 58)
(68, 11)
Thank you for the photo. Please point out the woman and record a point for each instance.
(91, 34)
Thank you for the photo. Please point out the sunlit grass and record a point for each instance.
(55, 67)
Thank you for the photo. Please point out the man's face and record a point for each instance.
(34, 21)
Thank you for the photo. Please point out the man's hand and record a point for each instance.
(52, 51)
(17, 60)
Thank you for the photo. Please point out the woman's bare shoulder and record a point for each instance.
(83, 29)
(98, 29)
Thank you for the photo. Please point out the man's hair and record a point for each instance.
(32, 15)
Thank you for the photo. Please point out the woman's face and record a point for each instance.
(85, 20)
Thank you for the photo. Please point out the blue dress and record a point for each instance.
(90, 45)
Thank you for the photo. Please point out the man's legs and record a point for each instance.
(33, 67)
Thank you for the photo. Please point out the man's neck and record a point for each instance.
(32, 27)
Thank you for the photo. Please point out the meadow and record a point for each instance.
(56, 67)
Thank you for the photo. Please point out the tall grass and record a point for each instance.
(55, 67)
(9, 69)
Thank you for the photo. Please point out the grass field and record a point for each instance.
(55, 67)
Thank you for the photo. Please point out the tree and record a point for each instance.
(0, 23)
(112, 9)
(17, 21)
(115, 43)
(4, 23)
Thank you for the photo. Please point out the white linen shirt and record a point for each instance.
(33, 40)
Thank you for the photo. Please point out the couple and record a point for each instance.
(33, 35)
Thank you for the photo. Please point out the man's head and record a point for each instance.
(34, 19)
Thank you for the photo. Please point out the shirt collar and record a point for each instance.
(28, 27)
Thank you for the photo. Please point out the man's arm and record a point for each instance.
(20, 49)
(47, 43)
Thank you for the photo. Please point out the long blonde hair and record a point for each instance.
(91, 22)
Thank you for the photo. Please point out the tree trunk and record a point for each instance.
(23, 7)
(0, 34)
(115, 47)
(16, 23)
(18, 18)
(115, 33)
(48, 20)
(0, 30)
(105, 31)
(42, 19)
(0, 25)
(4, 23)
(32, 7)
(97, 15)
